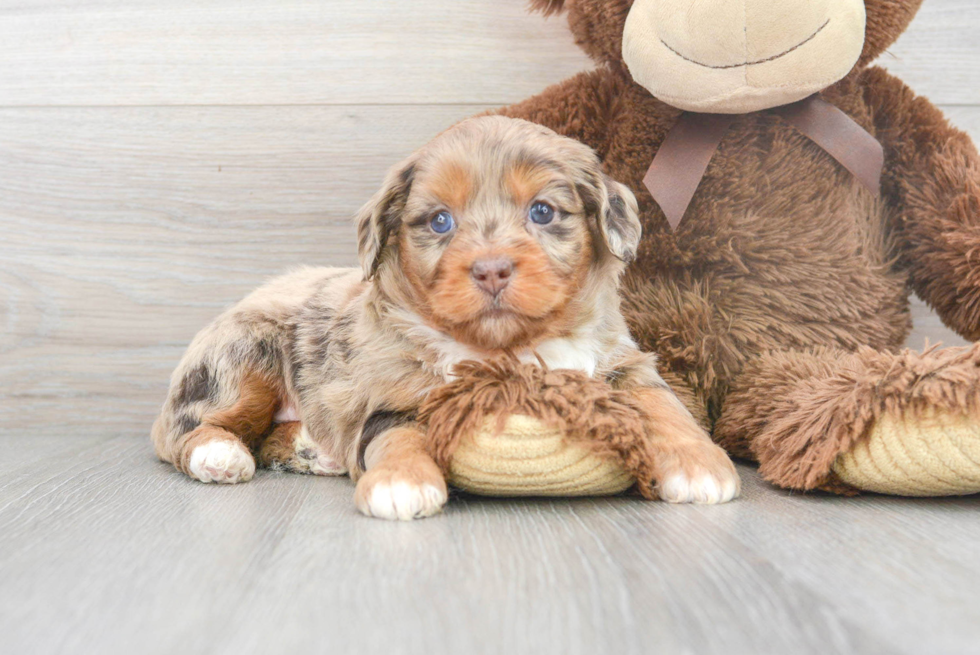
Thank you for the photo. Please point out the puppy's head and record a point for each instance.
(495, 230)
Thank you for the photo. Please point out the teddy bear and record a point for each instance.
(775, 293)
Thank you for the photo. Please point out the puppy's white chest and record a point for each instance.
(576, 353)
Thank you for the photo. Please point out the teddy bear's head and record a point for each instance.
(735, 56)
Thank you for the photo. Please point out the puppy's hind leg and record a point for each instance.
(211, 454)
(216, 447)
(289, 447)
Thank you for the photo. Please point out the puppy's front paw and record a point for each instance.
(705, 488)
(701, 474)
(400, 494)
(221, 461)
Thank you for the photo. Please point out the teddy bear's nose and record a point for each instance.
(492, 274)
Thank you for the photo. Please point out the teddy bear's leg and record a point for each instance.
(904, 423)
(401, 480)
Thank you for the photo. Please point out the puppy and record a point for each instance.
(498, 235)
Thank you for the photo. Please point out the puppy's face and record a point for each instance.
(495, 228)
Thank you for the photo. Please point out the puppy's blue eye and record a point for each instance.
(541, 213)
(442, 222)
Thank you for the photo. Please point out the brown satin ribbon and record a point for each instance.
(683, 157)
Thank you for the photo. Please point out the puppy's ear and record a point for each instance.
(619, 220)
(381, 216)
(614, 211)
(547, 7)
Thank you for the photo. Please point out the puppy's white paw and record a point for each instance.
(394, 496)
(222, 461)
(701, 488)
(402, 501)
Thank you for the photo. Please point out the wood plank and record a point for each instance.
(938, 54)
(907, 560)
(22, 451)
(116, 52)
(928, 328)
(125, 230)
(966, 118)
(184, 52)
(542, 576)
(110, 549)
(97, 546)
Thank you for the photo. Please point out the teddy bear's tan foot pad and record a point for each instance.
(929, 454)
(529, 458)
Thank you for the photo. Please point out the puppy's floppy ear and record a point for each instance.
(619, 221)
(381, 216)
(547, 7)
(614, 210)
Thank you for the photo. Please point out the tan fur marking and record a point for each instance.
(395, 448)
(525, 182)
(251, 416)
(530, 306)
(452, 183)
(279, 447)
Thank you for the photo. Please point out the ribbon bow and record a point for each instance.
(683, 157)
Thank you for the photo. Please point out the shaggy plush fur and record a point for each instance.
(782, 251)
(822, 402)
(610, 422)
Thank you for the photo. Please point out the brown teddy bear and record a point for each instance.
(781, 299)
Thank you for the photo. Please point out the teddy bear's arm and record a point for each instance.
(932, 184)
(580, 107)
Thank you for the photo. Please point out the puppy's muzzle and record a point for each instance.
(492, 274)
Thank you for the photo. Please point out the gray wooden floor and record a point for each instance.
(105, 550)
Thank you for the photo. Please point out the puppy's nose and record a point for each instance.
(492, 274)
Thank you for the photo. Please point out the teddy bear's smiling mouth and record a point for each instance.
(750, 63)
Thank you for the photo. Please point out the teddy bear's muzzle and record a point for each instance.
(725, 57)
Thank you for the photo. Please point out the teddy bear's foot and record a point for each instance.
(903, 423)
(529, 458)
(933, 453)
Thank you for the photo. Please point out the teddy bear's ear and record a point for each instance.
(547, 7)
(886, 20)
